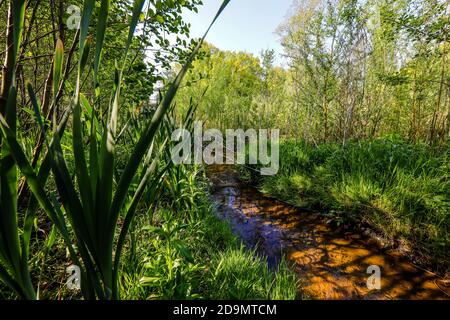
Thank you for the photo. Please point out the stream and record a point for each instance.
(330, 263)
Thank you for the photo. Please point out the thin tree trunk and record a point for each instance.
(439, 99)
(325, 94)
(7, 70)
(413, 131)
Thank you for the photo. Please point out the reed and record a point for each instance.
(91, 204)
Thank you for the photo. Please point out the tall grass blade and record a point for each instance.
(151, 128)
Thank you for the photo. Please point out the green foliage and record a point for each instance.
(195, 256)
(356, 70)
(231, 89)
(173, 262)
(399, 189)
(239, 275)
(92, 210)
(14, 242)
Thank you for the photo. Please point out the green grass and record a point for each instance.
(400, 190)
(238, 274)
(194, 255)
(172, 253)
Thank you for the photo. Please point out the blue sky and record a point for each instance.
(245, 25)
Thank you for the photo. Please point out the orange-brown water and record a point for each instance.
(330, 263)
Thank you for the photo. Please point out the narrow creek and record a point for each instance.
(330, 263)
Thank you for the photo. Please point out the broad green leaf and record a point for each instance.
(183, 250)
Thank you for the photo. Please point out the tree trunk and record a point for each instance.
(7, 70)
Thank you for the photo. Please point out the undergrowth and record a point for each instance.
(400, 190)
